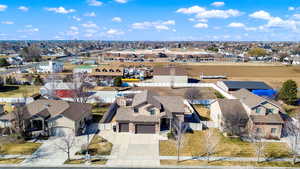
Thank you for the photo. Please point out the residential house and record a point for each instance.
(59, 89)
(50, 67)
(170, 75)
(147, 112)
(106, 74)
(55, 117)
(255, 115)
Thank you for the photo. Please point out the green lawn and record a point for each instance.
(228, 163)
(19, 91)
(26, 148)
(193, 145)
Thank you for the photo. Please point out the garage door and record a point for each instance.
(145, 128)
(60, 131)
(123, 127)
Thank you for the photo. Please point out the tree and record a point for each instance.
(3, 62)
(66, 143)
(191, 94)
(31, 53)
(18, 117)
(257, 52)
(179, 128)
(38, 81)
(288, 92)
(234, 124)
(259, 145)
(293, 135)
(118, 81)
(80, 88)
(211, 142)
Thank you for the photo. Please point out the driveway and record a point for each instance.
(133, 149)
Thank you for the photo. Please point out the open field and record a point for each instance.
(205, 93)
(273, 75)
(228, 163)
(228, 147)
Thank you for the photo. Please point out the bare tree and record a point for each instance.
(259, 145)
(66, 144)
(235, 124)
(179, 128)
(293, 135)
(17, 118)
(80, 88)
(191, 94)
(211, 142)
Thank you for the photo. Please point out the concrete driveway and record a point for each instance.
(133, 149)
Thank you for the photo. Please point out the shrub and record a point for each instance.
(219, 95)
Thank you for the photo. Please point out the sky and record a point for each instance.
(153, 20)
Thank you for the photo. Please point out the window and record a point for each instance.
(258, 130)
(270, 110)
(152, 112)
(97, 70)
(273, 130)
(258, 110)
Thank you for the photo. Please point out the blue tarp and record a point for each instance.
(269, 93)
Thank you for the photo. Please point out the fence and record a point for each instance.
(209, 124)
(16, 100)
(195, 126)
(105, 126)
(211, 85)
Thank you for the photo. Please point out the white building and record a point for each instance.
(50, 67)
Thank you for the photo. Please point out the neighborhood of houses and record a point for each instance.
(140, 103)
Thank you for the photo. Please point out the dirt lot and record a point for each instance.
(273, 75)
(205, 93)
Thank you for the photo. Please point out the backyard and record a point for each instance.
(193, 145)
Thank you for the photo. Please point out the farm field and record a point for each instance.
(272, 75)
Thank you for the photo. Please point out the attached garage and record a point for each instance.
(145, 128)
(123, 127)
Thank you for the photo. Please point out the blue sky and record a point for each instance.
(165, 20)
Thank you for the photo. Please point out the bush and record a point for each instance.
(118, 81)
(219, 95)
(288, 92)
(170, 135)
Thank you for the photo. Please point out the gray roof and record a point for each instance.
(269, 118)
(171, 103)
(232, 108)
(246, 84)
(127, 114)
(252, 100)
(144, 97)
(51, 108)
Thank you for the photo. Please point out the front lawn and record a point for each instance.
(19, 90)
(229, 163)
(11, 161)
(193, 145)
(77, 161)
(98, 146)
(26, 148)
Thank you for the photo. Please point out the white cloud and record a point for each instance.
(219, 14)
(121, 1)
(114, 32)
(7, 22)
(91, 31)
(291, 8)
(74, 28)
(201, 25)
(191, 10)
(261, 15)
(236, 25)
(117, 19)
(29, 29)
(61, 10)
(76, 18)
(90, 14)
(158, 25)
(94, 3)
(218, 4)
(3, 7)
(89, 25)
(23, 8)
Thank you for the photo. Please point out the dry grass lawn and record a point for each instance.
(98, 146)
(99, 161)
(26, 148)
(11, 161)
(77, 161)
(228, 163)
(227, 147)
